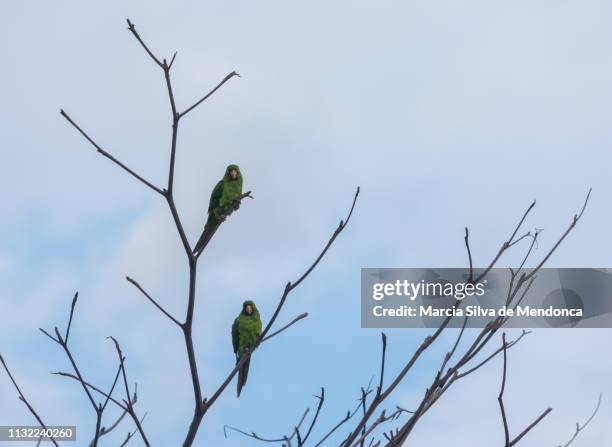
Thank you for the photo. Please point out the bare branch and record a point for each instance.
(382, 364)
(23, 399)
(443, 381)
(94, 388)
(109, 156)
(131, 434)
(106, 430)
(450, 353)
(205, 97)
(380, 420)
(68, 353)
(563, 236)
(580, 428)
(493, 355)
(255, 436)
(129, 403)
(180, 229)
(349, 415)
(469, 252)
(506, 244)
(48, 335)
(321, 398)
(132, 29)
(500, 397)
(287, 326)
(172, 60)
(528, 429)
(74, 300)
(110, 393)
(155, 303)
(175, 124)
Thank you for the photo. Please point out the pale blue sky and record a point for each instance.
(447, 114)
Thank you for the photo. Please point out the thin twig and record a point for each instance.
(131, 434)
(132, 28)
(23, 399)
(500, 397)
(528, 429)
(381, 379)
(155, 303)
(106, 430)
(109, 156)
(74, 300)
(93, 388)
(580, 428)
(264, 439)
(205, 97)
(321, 398)
(469, 252)
(287, 326)
(129, 404)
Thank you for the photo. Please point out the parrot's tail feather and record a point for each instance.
(243, 373)
(207, 234)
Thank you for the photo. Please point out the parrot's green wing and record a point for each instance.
(215, 197)
(235, 335)
(258, 325)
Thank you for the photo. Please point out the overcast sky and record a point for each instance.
(446, 114)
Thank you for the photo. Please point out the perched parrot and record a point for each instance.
(245, 330)
(224, 200)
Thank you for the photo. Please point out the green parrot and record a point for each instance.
(224, 200)
(245, 330)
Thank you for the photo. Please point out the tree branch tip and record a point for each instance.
(172, 59)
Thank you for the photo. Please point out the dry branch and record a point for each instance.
(579, 427)
(23, 399)
(451, 371)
